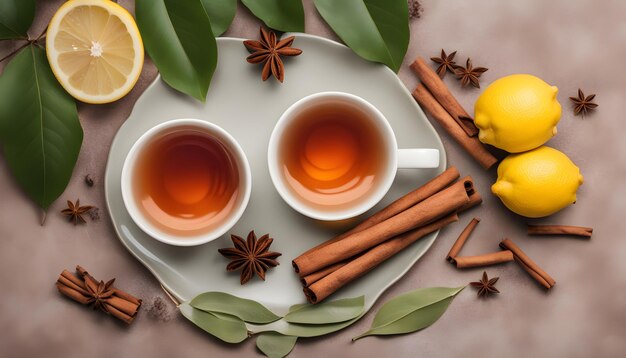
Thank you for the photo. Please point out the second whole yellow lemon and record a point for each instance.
(537, 183)
(517, 113)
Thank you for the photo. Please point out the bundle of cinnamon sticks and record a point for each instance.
(331, 265)
(85, 289)
(435, 97)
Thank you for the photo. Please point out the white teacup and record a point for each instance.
(226, 221)
(393, 157)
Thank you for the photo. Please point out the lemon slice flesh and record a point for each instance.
(95, 50)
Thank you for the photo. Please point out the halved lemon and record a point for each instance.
(95, 50)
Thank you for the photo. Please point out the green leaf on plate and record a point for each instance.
(16, 16)
(232, 330)
(326, 312)
(412, 311)
(377, 30)
(178, 37)
(274, 344)
(221, 14)
(39, 126)
(248, 310)
(282, 15)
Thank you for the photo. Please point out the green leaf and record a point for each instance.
(326, 312)
(282, 15)
(274, 344)
(314, 330)
(221, 14)
(248, 310)
(412, 311)
(178, 37)
(231, 330)
(377, 30)
(16, 16)
(39, 126)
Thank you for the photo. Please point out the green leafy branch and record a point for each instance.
(225, 316)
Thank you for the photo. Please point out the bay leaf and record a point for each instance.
(326, 312)
(377, 30)
(274, 344)
(314, 330)
(282, 15)
(221, 14)
(39, 127)
(232, 330)
(16, 16)
(411, 311)
(178, 37)
(247, 310)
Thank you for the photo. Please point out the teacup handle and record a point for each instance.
(418, 158)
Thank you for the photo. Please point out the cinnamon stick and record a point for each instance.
(471, 144)
(460, 241)
(432, 187)
(119, 304)
(444, 202)
(482, 260)
(440, 91)
(323, 288)
(316, 276)
(560, 230)
(527, 264)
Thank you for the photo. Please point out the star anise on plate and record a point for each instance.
(268, 52)
(446, 63)
(486, 286)
(583, 104)
(99, 293)
(469, 74)
(75, 212)
(251, 256)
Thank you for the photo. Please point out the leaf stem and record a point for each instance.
(43, 217)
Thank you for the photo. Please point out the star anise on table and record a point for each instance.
(583, 104)
(446, 63)
(250, 256)
(98, 294)
(469, 74)
(486, 286)
(268, 52)
(75, 212)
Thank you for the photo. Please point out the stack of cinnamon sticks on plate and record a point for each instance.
(331, 265)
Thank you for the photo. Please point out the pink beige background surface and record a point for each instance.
(570, 44)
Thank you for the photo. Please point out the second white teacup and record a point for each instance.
(333, 156)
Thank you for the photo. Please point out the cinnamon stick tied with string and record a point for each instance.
(434, 207)
(528, 265)
(85, 289)
(492, 258)
(560, 230)
(359, 266)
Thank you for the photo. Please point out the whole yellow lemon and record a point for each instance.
(517, 113)
(537, 183)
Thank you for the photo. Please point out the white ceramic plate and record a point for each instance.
(245, 106)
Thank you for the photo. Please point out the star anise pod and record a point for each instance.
(446, 63)
(268, 52)
(250, 256)
(98, 294)
(583, 104)
(75, 211)
(469, 74)
(486, 285)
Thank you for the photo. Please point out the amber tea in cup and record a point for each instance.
(187, 180)
(332, 155)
